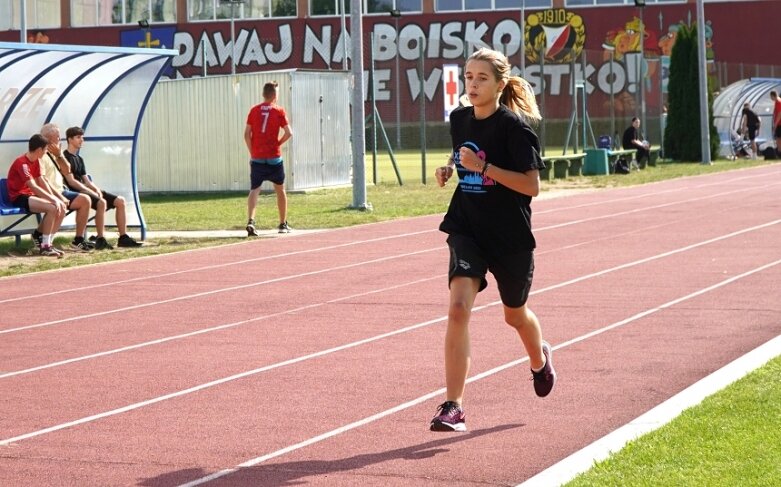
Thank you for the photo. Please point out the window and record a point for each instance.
(40, 14)
(239, 9)
(383, 7)
(605, 3)
(86, 13)
(458, 5)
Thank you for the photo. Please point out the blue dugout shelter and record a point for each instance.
(104, 90)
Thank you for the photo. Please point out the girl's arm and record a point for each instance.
(527, 183)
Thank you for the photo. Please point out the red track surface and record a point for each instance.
(318, 359)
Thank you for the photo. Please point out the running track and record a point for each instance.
(317, 359)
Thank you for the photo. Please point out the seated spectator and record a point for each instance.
(28, 189)
(52, 174)
(633, 139)
(102, 201)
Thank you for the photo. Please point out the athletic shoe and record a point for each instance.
(450, 417)
(37, 238)
(544, 379)
(127, 241)
(49, 251)
(80, 245)
(251, 231)
(102, 244)
(92, 238)
(284, 228)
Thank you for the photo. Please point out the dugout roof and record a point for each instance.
(728, 106)
(101, 89)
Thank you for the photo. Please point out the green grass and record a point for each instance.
(732, 438)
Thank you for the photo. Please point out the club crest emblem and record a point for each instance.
(560, 36)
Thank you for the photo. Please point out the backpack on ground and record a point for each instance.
(622, 166)
(770, 153)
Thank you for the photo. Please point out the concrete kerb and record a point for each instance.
(271, 233)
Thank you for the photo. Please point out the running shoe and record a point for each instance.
(251, 231)
(544, 379)
(450, 417)
(284, 228)
(37, 238)
(49, 251)
(80, 245)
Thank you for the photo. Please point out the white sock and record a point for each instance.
(46, 240)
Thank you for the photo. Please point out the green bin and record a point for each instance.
(596, 162)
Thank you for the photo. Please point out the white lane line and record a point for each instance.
(357, 242)
(230, 325)
(233, 288)
(654, 207)
(585, 458)
(430, 395)
(213, 291)
(211, 329)
(370, 340)
(214, 266)
(601, 202)
(294, 310)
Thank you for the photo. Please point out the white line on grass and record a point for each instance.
(430, 395)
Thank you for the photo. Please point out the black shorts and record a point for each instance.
(266, 172)
(109, 197)
(22, 201)
(513, 272)
(752, 133)
(777, 133)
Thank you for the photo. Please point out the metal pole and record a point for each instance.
(613, 138)
(422, 111)
(703, 79)
(523, 38)
(397, 94)
(358, 123)
(23, 21)
(233, 40)
(542, 96)
(661, 91)
(641, 78)
(344, 35)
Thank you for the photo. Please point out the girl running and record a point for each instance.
(488, 222)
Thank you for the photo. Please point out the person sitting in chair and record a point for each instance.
(633, 139)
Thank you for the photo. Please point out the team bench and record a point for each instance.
(18, 215)
(562, 166)
(613, 155)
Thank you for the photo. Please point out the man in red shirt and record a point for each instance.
(776, 125)
(261, 135)
(27, 189)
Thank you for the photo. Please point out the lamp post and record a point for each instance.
(23, 20)
(641, 78)
(233, 3)
(396, 13)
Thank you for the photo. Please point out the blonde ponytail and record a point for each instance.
(518, 96)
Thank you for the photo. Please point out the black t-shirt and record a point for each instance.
(752, 120)
(78, 169)
(498, 218)
(631, 134)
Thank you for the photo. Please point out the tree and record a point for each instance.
(682, 140)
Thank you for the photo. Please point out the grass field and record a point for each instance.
(732, 438)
